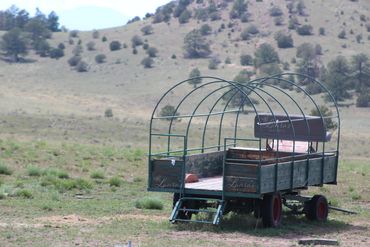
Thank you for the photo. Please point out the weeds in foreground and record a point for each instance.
(149, 203)
(5, 170)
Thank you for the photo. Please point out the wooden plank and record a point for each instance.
(212, 183)
(240, 170)
(166, 174)
(240, 184)
(314, 175)
(330, 167)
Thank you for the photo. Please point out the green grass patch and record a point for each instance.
(149, 203)
(63, 185)
(24, 193)
(115, 182)
(5, 170)
(97, 175)
(34, 171)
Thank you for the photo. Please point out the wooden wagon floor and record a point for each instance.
(211, 183)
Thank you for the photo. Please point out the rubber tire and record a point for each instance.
(271, 210)
(317, 208)
(183, 215)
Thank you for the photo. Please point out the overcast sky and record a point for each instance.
(89, 14)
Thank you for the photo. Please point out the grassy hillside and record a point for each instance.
(123, 84)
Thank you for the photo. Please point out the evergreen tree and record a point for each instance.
(53, 22)
(194, 74)
(338, 78)
(360, 69)
(14, 44)
(195, 46)
(265, 54)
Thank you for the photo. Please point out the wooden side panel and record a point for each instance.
(241, 177)
(330, 168)
(240, 184)
(300, 174)
(268, 174)
(205, 165)
(166, 174)
(315, 172)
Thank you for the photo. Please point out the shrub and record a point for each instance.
(145, 46)
(108, 113)
(322, 31)
(276, 11)
(73, 61)
(136, 41)
(34, 171)
(115, 45)
(62, 174)
(42, 48)
(100, 58)
(363, 100)
(279, 20)
(56, 53)
(252, 29)
(359, 38)
(147, 30)
(5, 170)
(205, 29)
(149, 203)
(293, 23)
(83, 184)
(215, 16)
(283, 40)
(147, 62)
(24, 193)
(305, 30)
(245, 35)
(97, 175)
(115, 181)
(313, 88)
(244, 17)
(185, 16)
(318, 49)
(169, 111)
(173, 56)
(342, 34)
(77, 50)
(95, 34)
(213, 63)
(73, 34)
(90, 46)
(61, 46)
(246, 60)
(104, 39)
(152, 52)
(82, 66)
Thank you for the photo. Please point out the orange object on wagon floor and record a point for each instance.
(191, 178)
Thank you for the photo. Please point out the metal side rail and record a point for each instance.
(180, 207)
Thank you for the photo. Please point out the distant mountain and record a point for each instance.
(87, 18)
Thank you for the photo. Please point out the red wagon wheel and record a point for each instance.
(271, 210)
(317, 208)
